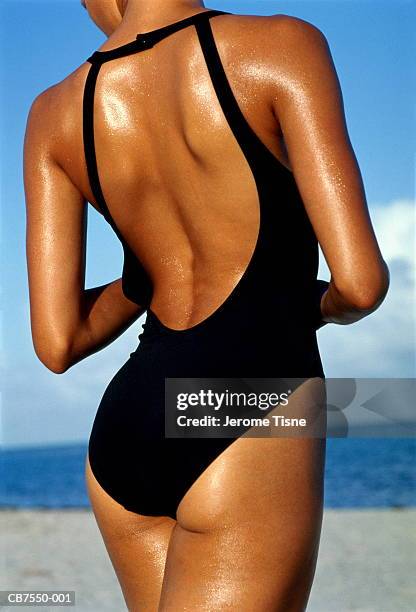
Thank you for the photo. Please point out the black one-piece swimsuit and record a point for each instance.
(266, 327)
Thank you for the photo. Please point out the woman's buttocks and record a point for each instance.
(132, 408)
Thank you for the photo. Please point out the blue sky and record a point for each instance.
(373, 46)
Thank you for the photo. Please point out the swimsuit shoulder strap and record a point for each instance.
(253, 147)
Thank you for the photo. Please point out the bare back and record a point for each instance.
(173, 175)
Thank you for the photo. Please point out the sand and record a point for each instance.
(367, 560)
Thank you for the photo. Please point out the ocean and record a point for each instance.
(360, 473)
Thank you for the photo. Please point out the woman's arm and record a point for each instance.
(68, 321)
(308, 104)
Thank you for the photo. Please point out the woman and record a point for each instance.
(216, 147)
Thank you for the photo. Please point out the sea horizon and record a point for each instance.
(359, 473)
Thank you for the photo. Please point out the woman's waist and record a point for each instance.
(251, 326)
(253, 351)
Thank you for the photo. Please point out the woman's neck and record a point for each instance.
(150, 14)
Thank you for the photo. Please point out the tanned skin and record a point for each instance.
(246, 534)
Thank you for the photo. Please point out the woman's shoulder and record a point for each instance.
(279, 49)
(281, 44)
(294, 31)
(60, 92)
(55, 106)
(54, 120)
(287, 27)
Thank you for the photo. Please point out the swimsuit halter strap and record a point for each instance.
(146, 40)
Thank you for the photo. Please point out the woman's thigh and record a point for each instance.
(248, 529)
(136, 544)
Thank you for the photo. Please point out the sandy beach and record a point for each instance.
(367, 560)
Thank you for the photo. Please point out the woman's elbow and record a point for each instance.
(369, 295)
(57, 366)
(55, 358)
